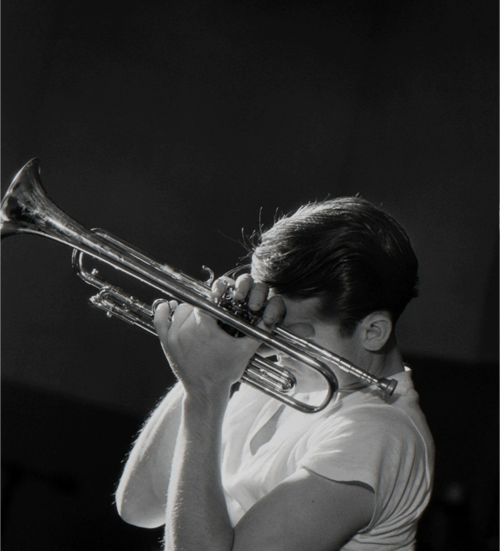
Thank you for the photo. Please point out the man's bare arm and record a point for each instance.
(142, 492)
(306, 511)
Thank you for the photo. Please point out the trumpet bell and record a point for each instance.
(26, 208)
(22, 200)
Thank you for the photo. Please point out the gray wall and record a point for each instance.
(172, 124)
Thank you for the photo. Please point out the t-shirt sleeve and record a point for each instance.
(373, 446)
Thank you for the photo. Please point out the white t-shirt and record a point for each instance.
(359, 437)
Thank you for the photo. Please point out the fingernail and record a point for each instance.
(269, 321)
(159, 303)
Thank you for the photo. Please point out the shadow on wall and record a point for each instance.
(461, 405)
(62, 459)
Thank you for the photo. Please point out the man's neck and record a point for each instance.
(382, 364)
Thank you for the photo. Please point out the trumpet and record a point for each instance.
(26, 208)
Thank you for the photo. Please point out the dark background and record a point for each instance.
(174, 125)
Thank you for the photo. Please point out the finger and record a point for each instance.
(172, 303)
(181, 314)
(258, 296)
(242, 286)
(162, 318)
(274, 312)
(220, 286)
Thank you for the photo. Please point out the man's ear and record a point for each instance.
(376, 330)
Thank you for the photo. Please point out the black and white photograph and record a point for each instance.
(250, 275)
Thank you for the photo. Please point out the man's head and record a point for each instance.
(349, 254)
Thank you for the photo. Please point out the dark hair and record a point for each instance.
(351, 255)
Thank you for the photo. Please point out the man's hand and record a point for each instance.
(205, 358)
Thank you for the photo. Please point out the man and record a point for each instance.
(248, 473)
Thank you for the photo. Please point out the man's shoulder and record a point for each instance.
(370, 416)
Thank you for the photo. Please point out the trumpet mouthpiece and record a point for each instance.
(388, 386)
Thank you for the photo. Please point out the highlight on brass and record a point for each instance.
(27, 209)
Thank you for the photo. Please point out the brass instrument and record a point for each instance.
(27, 209)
